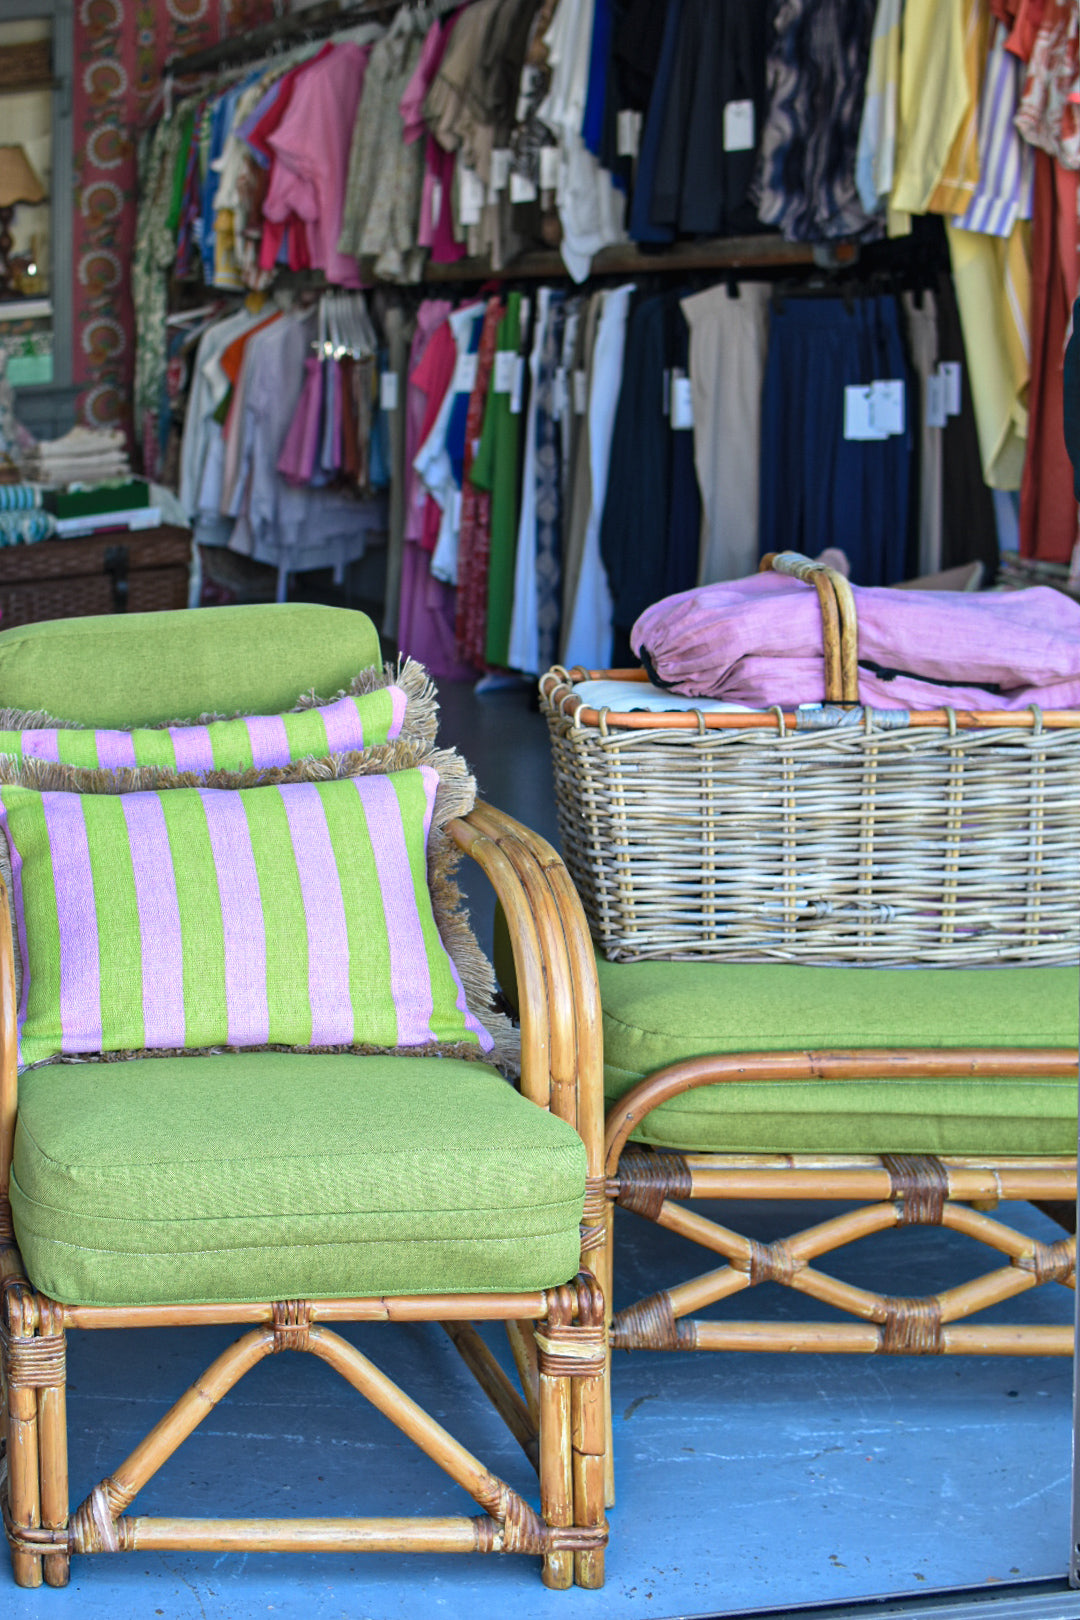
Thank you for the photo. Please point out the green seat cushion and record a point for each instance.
(265, 1176)
(143, 669)
(656, 1013)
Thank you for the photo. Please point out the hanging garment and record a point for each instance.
(1003, 194)
(805, 180)
(704, 170)
(311, 151)
(934, 97)
(579, 477)
(992, 277)
(641, 226)
(969, 531)
(589, 636)
(495, 471)
(920, 317)
(819, 488)
(474, 543)
(728, 340)
(1048, 511)
(875, 157)
(959, 180)
(524, 645)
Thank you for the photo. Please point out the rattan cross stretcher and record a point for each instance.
(833, 835)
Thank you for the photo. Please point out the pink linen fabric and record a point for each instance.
(311, 156)
(758, 641)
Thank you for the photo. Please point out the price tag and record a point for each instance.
(522, 189)
(682, 402)
(581, 393)
(517, 391)
(471, 196)
(455, 511)
(858, 412)
(549, 168)
(505, 362)
(936, 414)
(465, 374)
(560, 394)
(628, 133)
(436, 201)
(950, 370)
(388, 391)
(887, 406)
(739, 126)
(500, 171)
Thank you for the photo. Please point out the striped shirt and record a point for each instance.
(1006, 161)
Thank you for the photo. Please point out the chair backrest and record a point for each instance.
(139, 669)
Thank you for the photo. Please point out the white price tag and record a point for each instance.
(560, 395)
(549, 168)
(522, 189)
(471, 196)
(500, 168)
(950, 371)
(388, 391)
(628, 133)
(455, 511)
(505, 361)
(682, 402)
(518, 389)
(936, 414)
(465, 374)
(858, 412)
(581, 393)
(887, 406)
(739, 126)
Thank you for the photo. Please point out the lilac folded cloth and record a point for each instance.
(758, 641)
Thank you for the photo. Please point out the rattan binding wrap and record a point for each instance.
(839, 835)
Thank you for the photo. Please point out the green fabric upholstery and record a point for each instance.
(656, 1013)
(322, 1176)
(140, 669)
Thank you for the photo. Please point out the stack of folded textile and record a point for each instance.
(83, 456)
(22, 515)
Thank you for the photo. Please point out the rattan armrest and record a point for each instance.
(561, 1055)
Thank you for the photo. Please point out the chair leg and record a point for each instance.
(590, 1396)
(24, 1474)
(573, 1378)
(52, 1447)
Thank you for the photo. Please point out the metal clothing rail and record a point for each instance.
(313, 23)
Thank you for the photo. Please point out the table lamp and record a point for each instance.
(18, 184)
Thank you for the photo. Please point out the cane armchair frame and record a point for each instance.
(557, 1336)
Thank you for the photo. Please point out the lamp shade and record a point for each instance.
(18, 182)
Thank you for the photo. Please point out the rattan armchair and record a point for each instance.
(554, 1407)
(750, 1069)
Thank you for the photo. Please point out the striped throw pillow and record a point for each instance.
(254, 742)
(296, 915)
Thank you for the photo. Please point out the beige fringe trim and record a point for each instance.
(421, 709)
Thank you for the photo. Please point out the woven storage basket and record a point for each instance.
(836, 835)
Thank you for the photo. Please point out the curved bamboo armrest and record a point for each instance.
(561, 1050)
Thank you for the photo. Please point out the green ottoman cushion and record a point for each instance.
(140, 669)
(656, 1013)
(265, 1176)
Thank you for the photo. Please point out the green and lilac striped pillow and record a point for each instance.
(296, 915)
(252, 742)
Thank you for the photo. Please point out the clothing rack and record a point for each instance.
(625, 259)
(314, 23)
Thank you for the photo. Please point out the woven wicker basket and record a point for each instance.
(838, 835)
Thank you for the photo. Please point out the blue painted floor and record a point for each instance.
(745, 1482)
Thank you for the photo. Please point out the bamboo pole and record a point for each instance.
(845, 1338)
(496, 1386)
(519, 1335)
(437, 1535)
(451, 1456)
(53, 1462)
(406, 1308)
(556, 1475)
(184, 1417)
(24, 1476)
(867, 1063)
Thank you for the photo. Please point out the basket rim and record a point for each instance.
(557, 688)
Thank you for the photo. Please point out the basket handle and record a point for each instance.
(839, 625)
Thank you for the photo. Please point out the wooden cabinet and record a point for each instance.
(137, 571)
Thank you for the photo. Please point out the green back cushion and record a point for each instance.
(144, 669)
(297, 915)
(256, 741)
(656, 1013)
(320, 1176)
